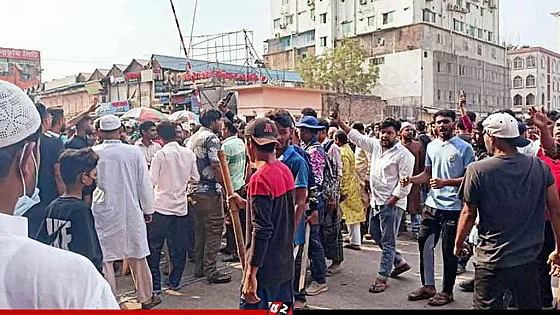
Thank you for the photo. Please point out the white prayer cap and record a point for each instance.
(109, 123)
(19, 117)
(406, 124)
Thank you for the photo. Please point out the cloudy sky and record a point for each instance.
(79, 36)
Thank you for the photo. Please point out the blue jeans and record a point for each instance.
(270, 293)
(415, 223)
(384, 225)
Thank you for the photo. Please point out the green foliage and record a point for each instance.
(340, 69)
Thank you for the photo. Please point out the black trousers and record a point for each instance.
(522, 281)
(544, 268)
(230, 234)
(175, 229)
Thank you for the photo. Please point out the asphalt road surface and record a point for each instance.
(347, 290)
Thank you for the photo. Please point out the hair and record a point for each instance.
(461, 125)
(57, 115)
(8, 154)
(325, 124)
(472, 116)
(268, 148)
(82, 122)
(553, 115)
(421, 126)
(230, 127)
(390, 122)
(308, 111)
(341, 136)
(358, 126)
(209, 116)
(166, 131)
(42, 109)
(145, 126)
(242, 125)
(282, 117)
(505, 111)
(75, 162)
(312, 131)
(478, 125)
(445, 113)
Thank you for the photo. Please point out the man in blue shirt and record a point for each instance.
(447, 158)
(300, 169)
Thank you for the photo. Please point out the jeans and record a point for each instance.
(190, 232)
(384, 227)
(176, 229)
(317, 255)
(415, 223)
(436, 222)
(490, 286)
(270, 293)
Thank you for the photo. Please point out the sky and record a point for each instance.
(79, 36)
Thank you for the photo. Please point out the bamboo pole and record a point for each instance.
(233, 210)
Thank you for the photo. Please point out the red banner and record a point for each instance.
(20, 54)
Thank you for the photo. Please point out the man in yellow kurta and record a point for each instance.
(351, 205)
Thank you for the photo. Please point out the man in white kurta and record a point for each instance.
(122, 204)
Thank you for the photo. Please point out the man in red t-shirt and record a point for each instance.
(269, 268)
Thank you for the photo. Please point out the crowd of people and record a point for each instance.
(116, 192)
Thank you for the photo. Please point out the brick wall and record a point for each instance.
(363, 108)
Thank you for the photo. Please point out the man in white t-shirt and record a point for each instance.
(34, 275)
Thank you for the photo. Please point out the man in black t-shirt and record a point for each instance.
(84, 130)
(70, 223)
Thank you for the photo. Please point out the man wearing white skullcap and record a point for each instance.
(34, 275)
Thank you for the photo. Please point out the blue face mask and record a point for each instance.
(25, 202)
(64, 139)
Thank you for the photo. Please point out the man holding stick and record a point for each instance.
(269, 268)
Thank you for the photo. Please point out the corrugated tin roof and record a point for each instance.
(179, 64)
(143, 62)
(120, 67)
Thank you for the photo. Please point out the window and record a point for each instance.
(381, 41)
(439, 95)
(531, 62)
(347, 29)
(448, 67)
(429, 16)
(459, 2)
(479, 50)
(388, 17)
(543, 63)
(277, 23)
(462, 70)
(517, 100)
(439, 38)
(553, 69)
(312, 14)
(554, 85)
(371, 21)
(481, 11)
(493, 53)
(472, 31)
(469, 6)
(530, 81)
(285, 1)
(517, 82)
(480, 33)
(377, 61)
(517, 63)
(323, 41)
(450, 96)
(290, 19)
(543, 99)
(323, 18)
(466, 46)
(458, 26)
(530, 100)
(497, 101)
(438, 66)
(490, 36)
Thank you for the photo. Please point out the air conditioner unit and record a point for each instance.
(283, 25)
(363, 2)
(277, 35)
(456, 8)
(310, 2)
(449, 6)
(464, 10)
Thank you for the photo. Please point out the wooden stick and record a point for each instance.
(303, 269)
(233, 211)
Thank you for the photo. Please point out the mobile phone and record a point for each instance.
(227, 98)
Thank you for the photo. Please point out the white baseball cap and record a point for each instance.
(504, 126)
(109, 123)
(19, 117)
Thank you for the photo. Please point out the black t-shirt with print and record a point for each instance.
(50, 149)
(71, 226)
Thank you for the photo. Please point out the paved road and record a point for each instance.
(347, 290)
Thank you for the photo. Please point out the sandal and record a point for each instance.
(378, 287)
(441, 299)
(400, 270)
(353, 247)
(219, 278)
(421, 294)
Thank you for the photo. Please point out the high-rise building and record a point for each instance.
(427, 51)
(535, 77)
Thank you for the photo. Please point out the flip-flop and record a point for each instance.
(378, 287)
(420, 294)
(440, 299)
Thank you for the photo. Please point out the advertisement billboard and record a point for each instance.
(20, 66)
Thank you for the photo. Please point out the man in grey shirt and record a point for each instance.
(510, 192)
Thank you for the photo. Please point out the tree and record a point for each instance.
(340, 69)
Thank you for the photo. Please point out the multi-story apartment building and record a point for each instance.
(535, 77)
(427, 51)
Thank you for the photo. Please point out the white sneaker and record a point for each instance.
(315, 288)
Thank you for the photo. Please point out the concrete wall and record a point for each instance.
(366, 109)
(258, 100)
(73, 102)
